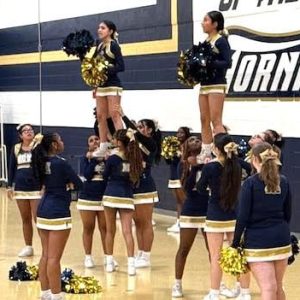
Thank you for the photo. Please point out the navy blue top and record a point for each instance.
(211, 178)
(264, 217)
(195, 203)
(112, 53)
(55, 202)
(94, 186)
(221, 62)
(22, 177)
(117, 175)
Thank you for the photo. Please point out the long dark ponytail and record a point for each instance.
(231, 174)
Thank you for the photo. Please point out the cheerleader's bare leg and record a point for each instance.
(113, 102)
(33, 206)
(88, 221)
(180, 197)
(102, 228)
(110, 217)
(280, 268)
(102, 115)
(126, 216)
(216, 104)
(26, 215)
(43, 278)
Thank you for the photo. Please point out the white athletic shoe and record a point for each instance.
(227, 292)
(210, 296)
(110, 267)
(244, 297)
(46, 295)
(89, 262)
(131, 266)
(175, 228)
(153, 223)
(177, 291)
(26, 251)
(142, 262)
(102, 150)
(114, 261)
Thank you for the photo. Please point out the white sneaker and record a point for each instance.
(174, 228)
(210, 296)
(46, 295)
(227, 292)
(110, 267)
(153, 223)
(101, 151)
(26, 251)
(114, 261)
(244, 297)
(142, 262)
(131, 266)
(88, 262)
(177, 291)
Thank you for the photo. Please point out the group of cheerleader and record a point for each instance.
(207, 178)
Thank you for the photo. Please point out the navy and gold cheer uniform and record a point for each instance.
(111, 51)
(90, 197)
(194, 208)
(119, 190)
(217, 219)
(264, 218)
(20, 175)
(146, 191)
(216, 82)
(53, 212)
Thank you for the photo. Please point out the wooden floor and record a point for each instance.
(154, 283)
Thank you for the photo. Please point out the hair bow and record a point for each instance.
(269, 154)
(130, 134)
(231, 148)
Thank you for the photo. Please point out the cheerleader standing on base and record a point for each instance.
(53, 215)
(174, 184)
(223, 177)
(109, 94)
(264, 216)
(90, 200)
(194, 209)
(122, 172)
(22, 185)
(212, 90)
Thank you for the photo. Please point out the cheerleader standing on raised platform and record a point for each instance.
(53, 215)
(194, 209)
(122, 172)
(22, 185)
(145, 194)
(223, 177)
(90, 200)
(109, 94)
(264, 216)
(212, 90)
(174, 184)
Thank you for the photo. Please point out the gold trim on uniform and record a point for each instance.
(24, 166)
(213, 89)
(174, 184)
(32, 195)
(219, 226)
(83, 204)
(145, 198)
(192, 222)
(278, 253)
(107, 47)
(54, 224)
(118, 202)
(109, 91)
(97, 178)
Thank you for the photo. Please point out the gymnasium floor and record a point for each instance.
(147, 284)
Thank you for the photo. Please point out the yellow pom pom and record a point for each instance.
(170, 147)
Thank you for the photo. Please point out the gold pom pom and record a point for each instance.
(83, 285)
(33, 272)
(182, 74)
(94, 71)
(170, 147)
(233, 261)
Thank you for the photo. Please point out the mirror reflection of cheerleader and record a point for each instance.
(194, 209)
(54, 220)
(213, 89)
(109, 94)
(183, 133)
(122, 172)
(22, 185)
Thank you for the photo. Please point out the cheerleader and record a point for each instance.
(145, 194)
(90, 200)
(22, 185)
(53, 214)
(263, 219)
(122, 172)
(223, 177)
(212, 91)
(174, 184)
(109, 94)
(194, 209)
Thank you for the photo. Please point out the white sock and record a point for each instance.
(177, 222)
(245, 291)
(109, 259)
(178, 281)
(146, 255)
(139, 253)
(58, 296)
(88, 256)
(130, 260)
(214, 292)
(46, 293)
